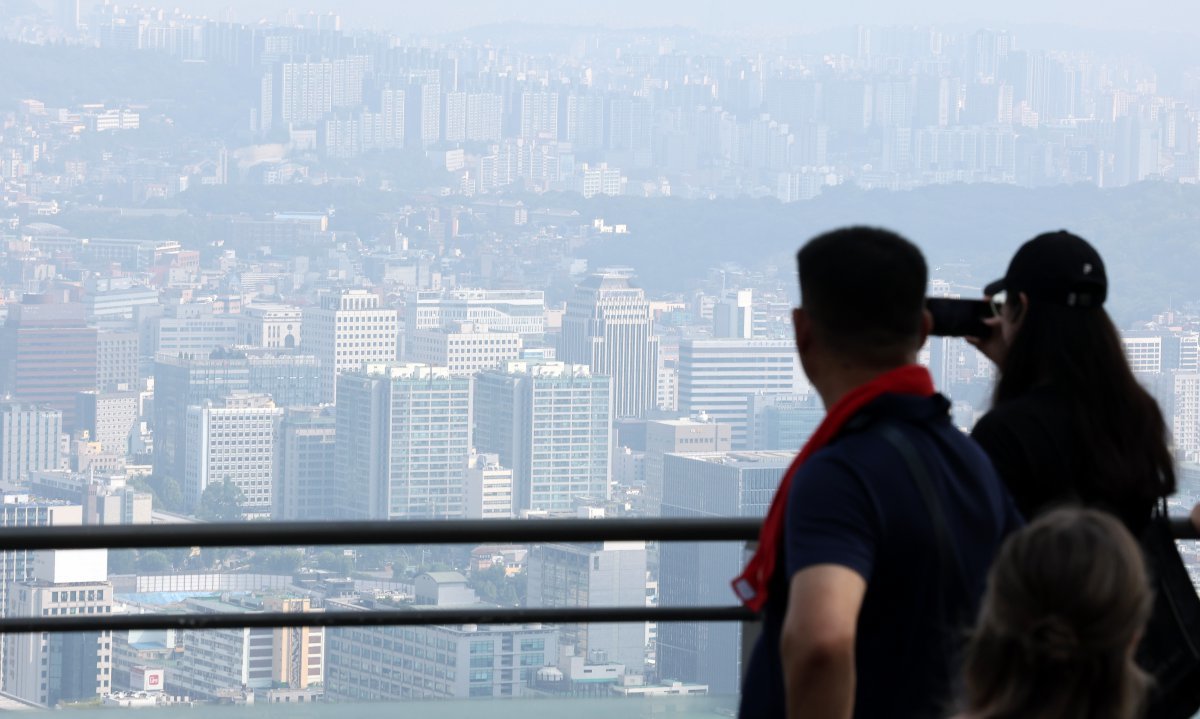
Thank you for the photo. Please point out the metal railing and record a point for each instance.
(259, 534)
(256, 534)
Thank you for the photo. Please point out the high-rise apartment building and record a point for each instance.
(30, 441)
(717, 376)
(539, 115)
(609, 328)
(454, 125)
(607, 574)
(302, 91)
(679, 436)
(233, 440)
(305, 487)
(403, 441)
(726, 484)
(47, 354)
(46, 669)
(551, 422)
(585, 122)
(485, 112)
(345, 331)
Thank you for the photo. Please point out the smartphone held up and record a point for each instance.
(959, 318)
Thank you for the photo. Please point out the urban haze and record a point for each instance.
(521, 261)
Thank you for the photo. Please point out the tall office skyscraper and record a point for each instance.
(727, 484)
(47, 354)
(347, 330)
(609, 328)
(403, 441)
(232, 441)
(305, 485)
(178, 384)
(552, 424)
(30, 441)
(718, 376)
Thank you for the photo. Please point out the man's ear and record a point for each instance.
(802, 328)
(926, 327)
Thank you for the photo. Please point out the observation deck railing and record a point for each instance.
(255, 534)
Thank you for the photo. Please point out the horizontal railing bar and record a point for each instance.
(387, 617)
(464, 531)
(468, 531)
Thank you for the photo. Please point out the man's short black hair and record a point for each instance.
(864, 290)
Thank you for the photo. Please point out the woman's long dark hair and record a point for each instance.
(1078, 352)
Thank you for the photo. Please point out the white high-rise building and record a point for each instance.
(403, 441)
(484, 115)
(347, 330)
(609, 328)
(46, 669)
(489, 488)
(303, 90)
(717, 377)
(30, 441)
(233, 441)
(455, 127)
(539, 115)
(551, 423)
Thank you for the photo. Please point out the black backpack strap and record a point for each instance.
(951, 564)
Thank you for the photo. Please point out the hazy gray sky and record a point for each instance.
(738, 16)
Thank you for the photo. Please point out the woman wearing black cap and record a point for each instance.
(1069, 423)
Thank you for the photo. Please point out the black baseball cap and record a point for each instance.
(1056, 267)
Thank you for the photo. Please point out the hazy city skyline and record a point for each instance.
(772, 17)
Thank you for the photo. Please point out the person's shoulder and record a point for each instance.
(1033, 412)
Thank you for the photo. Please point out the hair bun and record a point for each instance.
(1052, 638)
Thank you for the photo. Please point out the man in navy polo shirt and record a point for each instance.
(875, 552)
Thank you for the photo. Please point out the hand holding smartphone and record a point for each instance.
(959, 318)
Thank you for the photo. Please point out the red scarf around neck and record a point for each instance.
(752, 585)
